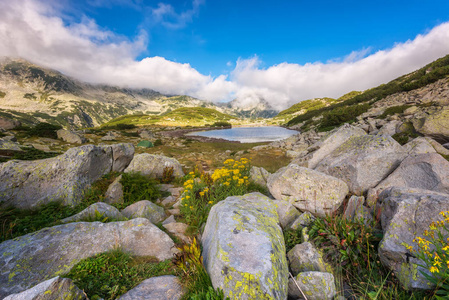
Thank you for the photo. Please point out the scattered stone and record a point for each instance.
(154, 165)
(145, 209)
(354, 207)
(145, 134)
(168, 201)
(315, 285)
(305, 257)
(114, 193)
(286, 211)
(32, 258)
(179, 230)
(418, 146)
(176, 192)
(11, 138)
(363, 161)
(304, 220)
(8, 124)
(52, 289)
(156, 288)
(308, 189)
(70, 137)
(406, 213)
(169, 220)
(244, 250)
(435, 125)
(41, 147)
(110, 136)
(259, 175)
(9, 146)
(389, 128)
(174, 211)
(96, 212)
(440, 149)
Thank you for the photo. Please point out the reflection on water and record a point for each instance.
(248, 134)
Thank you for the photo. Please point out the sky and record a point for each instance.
(280, 51)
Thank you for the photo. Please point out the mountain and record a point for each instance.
(253, 109)
(31, 94)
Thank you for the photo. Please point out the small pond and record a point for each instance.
(248, 134)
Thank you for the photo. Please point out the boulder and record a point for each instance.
(145, 209)
(178, 230)
(307, 189)
(440, 149)
(418, 146)
(169, 220)
(355, 210)
(65, 178)
(122, 155)
(110, 136)
(70, 137)
(114, 193)
(156, 288)
(154, 165)
(332, 142)
(315, 286)
(287, 212)
(8, 124)
(96, 212)
(304, 220)
(363, 161)
(244, 250)
(389, 128)
(145, 134)
(38, 256)
(406, 214)
(305, 257)
(435, 125)
(8, 147)
(52, 289)
(259, 175)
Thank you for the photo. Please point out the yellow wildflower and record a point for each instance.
(433, 269)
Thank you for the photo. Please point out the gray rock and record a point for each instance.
(146, 134)
(114, 193)
(35, 257)
(7, 145)
(145, 209)
(45, 148)
(438, 147)
(179, 230)
(244, 250)
(168, 201)
(355, 210)
(259, 175)
(110, 136)
(52, 289)
(308, 189)
(418, 146)
(406, 213)
(286, 211)
(10, 138)
(362, 162)
(70, 137)
(304, 220)
(153, 165)
(389, 128)
(435, 125)
(332, 142)
(315, 285)
(169, 220)
(305, 257)
(156, 288)
(8, 124)
(96, 211)
(122, 155)
(26, 184)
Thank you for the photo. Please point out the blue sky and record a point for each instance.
(281, 51)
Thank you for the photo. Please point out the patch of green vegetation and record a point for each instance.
(306, 106)
(119, 126)
(338, 116)
(349, 95)
(292, 237)
(30, 96)
(30, 153)
(137, 187)
(394, 110)
(221, 124)
(46, 130)
(2, 94)
(111, 274)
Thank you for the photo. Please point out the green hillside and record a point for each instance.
(329, 117)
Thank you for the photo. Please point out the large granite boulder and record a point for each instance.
(244, 250)
(26, 184)
(145, 209)
(363, 161)
(70, 137)
(154, 165)
(96, 212)
(259, 175)
(419, 146)
(30, 259)
(156, 288)
(332, 142)
(308, 189)
(435, 125)
(406, 214)
(122, 155)
(53, 289)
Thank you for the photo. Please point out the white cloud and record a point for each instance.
(166, 15)
(37, 31)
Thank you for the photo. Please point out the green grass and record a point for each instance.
(393, 110)
(111, 274)
(2, 94)
(30, 153)
(137, 187)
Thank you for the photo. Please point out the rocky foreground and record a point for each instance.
(243, 246)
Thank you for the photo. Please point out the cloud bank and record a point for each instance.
(35, 31)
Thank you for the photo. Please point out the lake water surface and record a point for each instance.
(248, 134)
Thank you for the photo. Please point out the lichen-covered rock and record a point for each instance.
(305, 257)
(356, 210)
(26, 184)
(435, 125)
(145, 209)
(96, 212)
(287, 212)
(259, 175)
(418, 146)
(440, 149)
(114, 193)
(70, 137)
(315, 286)
(153, 165)
(308, 189)
(244, 250)
(332, 142)
(30, 259)
(9, 147)
(363, 161)
(304, 220)
(156, 288)
(406, 213)
(122, 155)
(53, 289)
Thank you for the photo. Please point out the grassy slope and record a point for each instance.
(430, 73)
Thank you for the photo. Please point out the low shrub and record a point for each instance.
(221, 124)
(157, 142)
(30, 153)
(44, 130)
(137, 187)
(393, 110)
